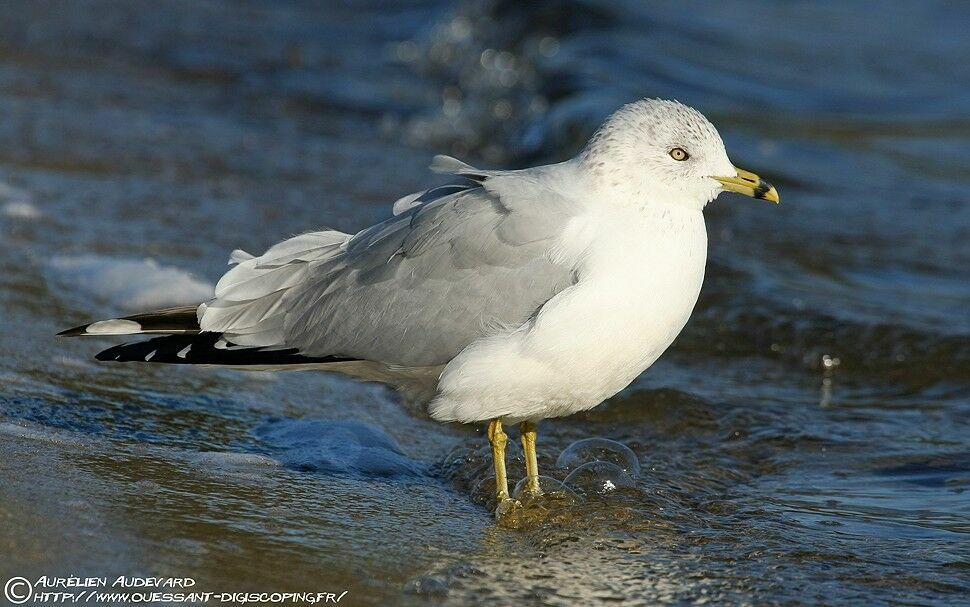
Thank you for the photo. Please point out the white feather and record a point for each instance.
(239, 256)
(248, 294)
(448, 165)
(406, 203)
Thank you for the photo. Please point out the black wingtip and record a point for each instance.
(111, 354)
(177, 320)
(73, 332)
(201, 349)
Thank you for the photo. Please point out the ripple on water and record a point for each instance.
(337, 447)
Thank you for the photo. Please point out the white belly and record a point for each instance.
(637, 287)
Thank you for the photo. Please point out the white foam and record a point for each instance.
(16, 203)
(226, 459)
(73, 363)
(21, 210)
(22, 430)
(130, 284)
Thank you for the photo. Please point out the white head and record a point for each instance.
(662, 151)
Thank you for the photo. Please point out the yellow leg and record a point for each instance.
(499, 439)
(531, 464)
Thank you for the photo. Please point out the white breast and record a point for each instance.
(640, 272)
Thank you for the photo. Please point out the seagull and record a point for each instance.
(511, 297)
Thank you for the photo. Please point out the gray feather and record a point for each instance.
(413, 290)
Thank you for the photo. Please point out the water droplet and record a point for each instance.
(548, 46)
(829, 362)
(487, 58)
(502, 109)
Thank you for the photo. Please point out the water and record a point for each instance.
(804, 441)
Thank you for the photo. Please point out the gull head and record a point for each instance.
(663, 152)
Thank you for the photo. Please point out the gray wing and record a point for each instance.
(411, 291)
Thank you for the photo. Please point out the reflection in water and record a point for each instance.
(805, 441)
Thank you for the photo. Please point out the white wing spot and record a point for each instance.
(115, 326)
(184, 351)
(150, 356)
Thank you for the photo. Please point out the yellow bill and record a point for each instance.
(749, 184)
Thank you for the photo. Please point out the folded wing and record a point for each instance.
(453, 264)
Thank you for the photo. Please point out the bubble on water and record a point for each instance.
(547, 485)
(483, 493)
(599, 477)
(459, 455)
(427, 585)
(599, 450)
(466, 466)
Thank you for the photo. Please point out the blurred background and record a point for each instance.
(806, 440)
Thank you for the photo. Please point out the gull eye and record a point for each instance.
(679, 154)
